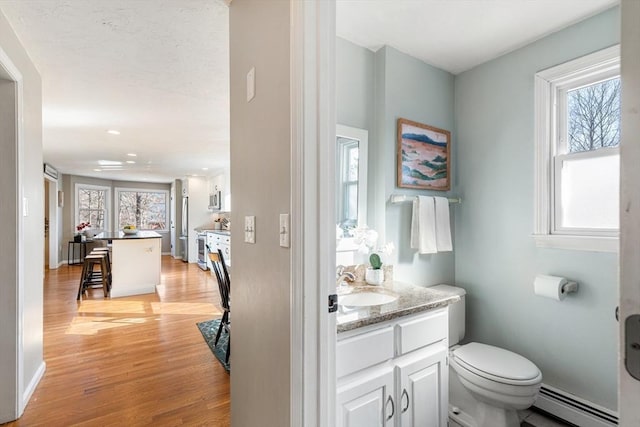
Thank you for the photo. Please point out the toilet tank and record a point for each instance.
(456, 313)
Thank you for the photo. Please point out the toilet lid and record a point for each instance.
(497, 364)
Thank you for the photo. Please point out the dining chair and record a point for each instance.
(224, 286)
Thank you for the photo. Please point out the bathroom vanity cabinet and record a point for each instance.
(394, 373)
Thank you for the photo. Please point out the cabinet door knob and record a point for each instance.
(404, 393)
(393, 408)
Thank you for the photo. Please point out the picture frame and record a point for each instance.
(423, 156)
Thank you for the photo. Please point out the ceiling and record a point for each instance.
(457, 35)
(157, 71)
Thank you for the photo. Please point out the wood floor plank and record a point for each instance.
(133, 361)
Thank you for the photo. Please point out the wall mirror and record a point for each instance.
(351, 183)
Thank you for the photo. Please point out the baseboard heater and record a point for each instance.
(573, 409)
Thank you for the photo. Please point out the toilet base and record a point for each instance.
(467, 411)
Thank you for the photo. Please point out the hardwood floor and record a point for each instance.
(134, 361)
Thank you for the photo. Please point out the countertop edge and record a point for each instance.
(349, 326)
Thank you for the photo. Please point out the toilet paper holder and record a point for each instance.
(570, 287)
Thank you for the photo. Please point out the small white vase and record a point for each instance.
(374, 277)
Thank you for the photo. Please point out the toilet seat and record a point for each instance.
(497, 364)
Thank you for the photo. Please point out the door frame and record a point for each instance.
(313, 124)
(52, 209)
(628, 387)
(12, 390)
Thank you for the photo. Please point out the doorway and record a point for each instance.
(46, 224)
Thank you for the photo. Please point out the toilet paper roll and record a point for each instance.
(549, 286)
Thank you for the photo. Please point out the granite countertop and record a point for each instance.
(411, 299)
(119, 235)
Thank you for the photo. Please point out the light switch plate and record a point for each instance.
(284, 230)
(251, 84)
(250, 229)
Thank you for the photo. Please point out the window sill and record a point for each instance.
(578, 243)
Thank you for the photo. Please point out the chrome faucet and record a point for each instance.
(345, 276)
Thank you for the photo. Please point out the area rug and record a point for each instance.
(208, 330)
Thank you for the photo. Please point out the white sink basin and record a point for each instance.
(365, 299)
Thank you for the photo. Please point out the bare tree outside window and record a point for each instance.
(92, 207)
(594, 116)
(147, 210)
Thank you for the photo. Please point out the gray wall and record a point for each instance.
(260, 184)
(68, 211)
(574, 342)
(355, 86)
(27, 183)
(373, 91)
(416, 91)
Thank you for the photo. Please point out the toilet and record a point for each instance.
(487, 384)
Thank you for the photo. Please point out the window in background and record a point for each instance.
(92, 205)
(577, 155)
(146, 209)
(348, 155)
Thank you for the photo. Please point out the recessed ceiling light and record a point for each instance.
(131, 154)
(130, 162)
(109, 163)
(98, 170)
(113, 132)
(205, 169)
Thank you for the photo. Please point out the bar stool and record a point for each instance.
(103, 250)
(92, 279)
(106, 252)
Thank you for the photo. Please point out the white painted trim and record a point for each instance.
(313, 382)
(298, 402)
(167, 203)
(18, 404)
(108, 215)
(596, 62)
(577, 243)
(54, 211)
(35, 380)
(542, 157)
(361, 135)
(546, 85)
(628, 387)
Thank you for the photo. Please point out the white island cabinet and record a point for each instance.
(394, 373)
(135, 262)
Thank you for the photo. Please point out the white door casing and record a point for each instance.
(313, 330)
(629, 387)
(12, 397)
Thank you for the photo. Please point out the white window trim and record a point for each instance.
(546, 84)
(107, 215)
(116, 212)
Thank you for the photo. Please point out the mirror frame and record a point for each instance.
(362, 135)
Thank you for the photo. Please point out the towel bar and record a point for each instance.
(401, 198)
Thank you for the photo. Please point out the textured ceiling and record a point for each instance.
(155, 70)
(158, 70)
(456, 35)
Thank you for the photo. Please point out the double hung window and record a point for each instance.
(577, 153)
(92, 205)
(146, 209)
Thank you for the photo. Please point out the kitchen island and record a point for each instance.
(135, 262)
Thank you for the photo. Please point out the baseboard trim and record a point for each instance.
(31, 387)
(574, 409)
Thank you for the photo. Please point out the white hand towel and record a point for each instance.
(443, 226)
(423, 225)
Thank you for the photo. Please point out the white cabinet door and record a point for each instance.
(422, 388)
(368, 400)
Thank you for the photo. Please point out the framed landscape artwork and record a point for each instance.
(423, 156)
